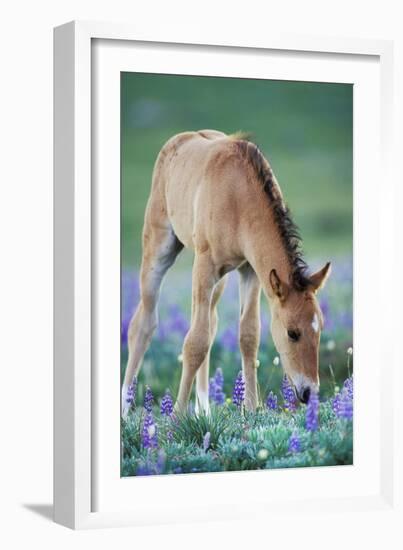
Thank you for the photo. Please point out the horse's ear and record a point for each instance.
(319, 278)
(280, 288)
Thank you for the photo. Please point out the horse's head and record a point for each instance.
(296, 325)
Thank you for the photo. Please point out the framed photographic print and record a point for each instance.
(218, 247)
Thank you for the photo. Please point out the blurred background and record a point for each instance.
(305, 131)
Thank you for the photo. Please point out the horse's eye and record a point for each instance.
(293, 335)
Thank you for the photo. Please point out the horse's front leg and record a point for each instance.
(202, 377)
(197, 341)
(249, 332)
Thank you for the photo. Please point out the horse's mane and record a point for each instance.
(288, 230)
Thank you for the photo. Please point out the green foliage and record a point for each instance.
(237, 441)
(131, 433)
(189, 428)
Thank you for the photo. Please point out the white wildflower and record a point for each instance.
(330, 346)
(263, 454)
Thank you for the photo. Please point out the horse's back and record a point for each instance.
(198, 178)
(180, 174)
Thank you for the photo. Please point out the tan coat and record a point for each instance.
(217, 195)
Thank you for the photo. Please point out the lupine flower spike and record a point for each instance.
(167, 405)
(148, 399)
(312, 412)
(131, 393)
(348, 387)
(288, 394)
(336, 404)
(216, 388)
(346, 407)
(294, 444)
(238, 395)
(149, 436)
(271, 401)
(343, 402)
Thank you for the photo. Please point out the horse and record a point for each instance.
(217, 195)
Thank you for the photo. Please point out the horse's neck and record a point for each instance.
(265, 251)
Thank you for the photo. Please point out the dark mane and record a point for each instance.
(288, 230)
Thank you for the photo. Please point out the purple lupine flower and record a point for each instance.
(216, 385)
(219, 396)
(206, 441)
(342, 404)
(336, 404)
(345, 407)
(149, 435)
(148, 399)
(288, 394)
(271, 401)
(219, 377)
(294, 444)
(131, 392)
(167, 405)
(151, 466)
(348, 386)
(144, 469)
(238, 394)
(312, 412)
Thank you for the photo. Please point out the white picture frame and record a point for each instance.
(84, 495)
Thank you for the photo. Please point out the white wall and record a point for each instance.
(26, 245)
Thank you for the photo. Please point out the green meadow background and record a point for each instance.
(305, 130)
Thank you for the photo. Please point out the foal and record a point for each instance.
(217, 195)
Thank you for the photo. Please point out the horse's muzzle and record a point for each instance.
(304, 394)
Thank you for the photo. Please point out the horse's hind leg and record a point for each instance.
(202, 376)
(160, 249)
(249, 331)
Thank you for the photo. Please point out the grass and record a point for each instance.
(230, 439)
